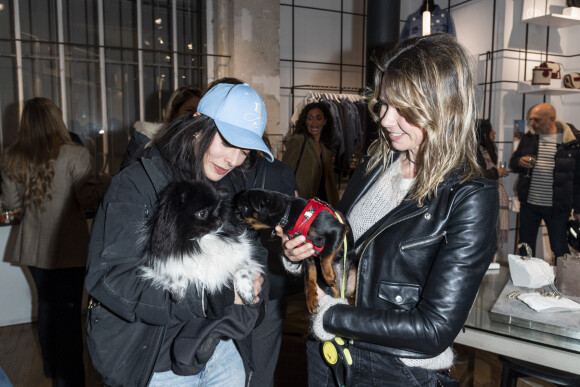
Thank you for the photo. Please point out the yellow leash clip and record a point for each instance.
(337, 355)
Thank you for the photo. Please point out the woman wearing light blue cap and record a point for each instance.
(131, 325)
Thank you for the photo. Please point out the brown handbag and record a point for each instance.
(555, 68)
(572, 81)
(541, 75)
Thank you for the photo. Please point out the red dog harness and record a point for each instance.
(313, 208)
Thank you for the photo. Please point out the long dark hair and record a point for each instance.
(328, 130)
(483, 138)
(185, 141)
(29, 161)
(180, 96)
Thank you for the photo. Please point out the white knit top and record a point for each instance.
(387, 193)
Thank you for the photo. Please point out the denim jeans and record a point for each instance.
(530, 218)
(368, 369)
(225, 368)
(4, 381)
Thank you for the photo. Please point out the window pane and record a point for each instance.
(122, 103)
(38, 20)
(120, 23)
(84, 95)
(6, 26)
(102, 118)
(40, 71)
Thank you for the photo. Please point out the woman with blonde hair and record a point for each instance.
(423, 222)
(47, 175)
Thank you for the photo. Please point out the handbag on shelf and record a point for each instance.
(555, 68)
(541, 75)
(530, 272)
(568, 275)
(572, 81)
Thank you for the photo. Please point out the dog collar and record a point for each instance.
(284, 221)
(314, 207)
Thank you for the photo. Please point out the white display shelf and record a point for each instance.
(527, 88)
(553, 20)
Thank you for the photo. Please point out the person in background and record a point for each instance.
(308, 153)
(548, 163)
(184, 100)
(132, 324)
(422, 218)
(266, 338)
(50, 178)
(487, 159)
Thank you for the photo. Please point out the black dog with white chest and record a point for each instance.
(194, 239)
(325, 228)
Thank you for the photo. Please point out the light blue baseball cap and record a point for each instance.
(239, 114)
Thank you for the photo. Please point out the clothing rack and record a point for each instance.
(340, 63)
(353, 97)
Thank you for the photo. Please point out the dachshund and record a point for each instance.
(325, 228)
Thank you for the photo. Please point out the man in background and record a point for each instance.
(548, 187)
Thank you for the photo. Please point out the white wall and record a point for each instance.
(473, 22)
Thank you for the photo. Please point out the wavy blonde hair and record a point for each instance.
(431, 81)
(29, 161)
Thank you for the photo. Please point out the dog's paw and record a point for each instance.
(244, 283)
(177, 293)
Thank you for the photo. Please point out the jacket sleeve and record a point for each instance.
(11, 198)
(459, 263)
(113, 268)
(522, 150)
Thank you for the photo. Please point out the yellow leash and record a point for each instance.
(336, 352)
(343, 285)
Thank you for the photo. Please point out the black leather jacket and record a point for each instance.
(420, 268)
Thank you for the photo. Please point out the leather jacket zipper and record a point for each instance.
(426, 241)
(368, 241)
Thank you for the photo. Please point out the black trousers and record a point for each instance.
(59, 323)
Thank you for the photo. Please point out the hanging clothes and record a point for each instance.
(347, 113)
(441, 21)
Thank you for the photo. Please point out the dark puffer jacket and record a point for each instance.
(566, 187)
(127, 326)
(420, 268)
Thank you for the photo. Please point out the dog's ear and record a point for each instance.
(264, 203)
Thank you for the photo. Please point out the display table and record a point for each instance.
(550, 350)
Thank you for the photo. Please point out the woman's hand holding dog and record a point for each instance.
(258, 281)
(292, 249)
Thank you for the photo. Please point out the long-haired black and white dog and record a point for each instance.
(194, 239)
